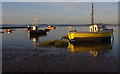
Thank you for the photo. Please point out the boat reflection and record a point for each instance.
(93, 48)
(35, 38)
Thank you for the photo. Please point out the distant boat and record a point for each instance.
(8, 30)
(28, 28)
(47, 29)
(70, 27)
(37, 32)
(96, 33)
(1, 31)
(34, 29)
(50, 27)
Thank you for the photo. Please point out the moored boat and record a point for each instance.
(8, 30)
(99, 34)
(96, 33)
(50, 27)
(47, 30)
(34, 29)
(1, 31)
(70, 27)
(28, 28)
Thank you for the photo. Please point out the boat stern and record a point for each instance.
(70, 35)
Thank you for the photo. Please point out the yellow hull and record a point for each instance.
(89, 35)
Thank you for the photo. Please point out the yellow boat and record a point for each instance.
(96, 33)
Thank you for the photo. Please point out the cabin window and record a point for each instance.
(91, 29)
(95, 28)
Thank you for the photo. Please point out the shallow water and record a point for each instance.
(20, 51)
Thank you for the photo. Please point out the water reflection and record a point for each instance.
(8, 32)
(94, 48)
(35, 38)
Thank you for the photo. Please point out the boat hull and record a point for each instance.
(38, 32)
(47, 29)
(50, 28)
(90, 36)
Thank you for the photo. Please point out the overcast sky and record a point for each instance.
(59, 12)
(60, 0)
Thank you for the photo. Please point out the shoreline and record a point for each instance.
(30, 60)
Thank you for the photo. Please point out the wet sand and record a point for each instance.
(42, 60)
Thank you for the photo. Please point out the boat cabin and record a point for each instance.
(35, 28)
(50, 26)
(96, 28)
(93, 28)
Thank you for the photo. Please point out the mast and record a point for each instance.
(36, 21)
(92, 14)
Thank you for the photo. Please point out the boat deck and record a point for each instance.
(104, 31)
